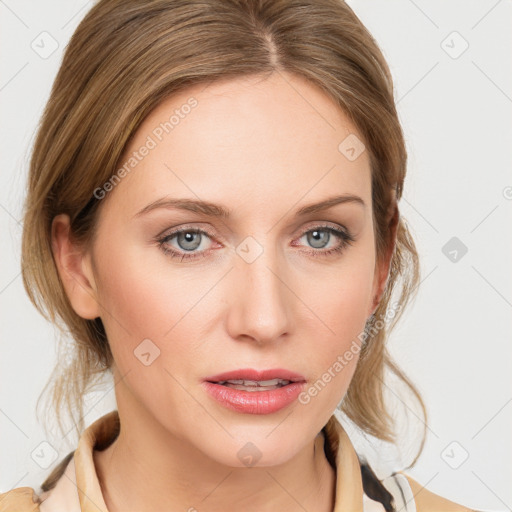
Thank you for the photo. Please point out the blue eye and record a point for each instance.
(189, 239)
(320, 236)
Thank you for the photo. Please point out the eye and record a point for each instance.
(187, 240)
(319, 237)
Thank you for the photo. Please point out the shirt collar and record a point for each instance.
(101, 433)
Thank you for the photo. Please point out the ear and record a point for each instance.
(383, 264)
(75, 269)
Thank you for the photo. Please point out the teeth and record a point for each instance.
(256, 383)
(273, 382)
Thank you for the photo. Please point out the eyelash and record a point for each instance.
(345, 237)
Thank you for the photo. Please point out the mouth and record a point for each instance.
(250, 379)
(254, 385)
(253, 391)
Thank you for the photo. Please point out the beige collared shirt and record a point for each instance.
(78, 489)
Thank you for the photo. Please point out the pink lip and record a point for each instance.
(255, 402)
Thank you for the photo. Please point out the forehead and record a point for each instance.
(246, 142)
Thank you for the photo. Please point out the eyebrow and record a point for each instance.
(217, 210)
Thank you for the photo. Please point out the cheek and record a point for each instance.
(334, 355)
(344, 314)
(145, 296)
(342, 295)
(138, 302)
(341, 299)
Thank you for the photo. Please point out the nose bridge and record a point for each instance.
(260, 308)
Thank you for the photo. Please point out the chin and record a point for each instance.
(254, 447)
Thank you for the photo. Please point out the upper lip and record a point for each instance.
(257, 375)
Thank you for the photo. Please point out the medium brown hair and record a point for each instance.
(125, 57)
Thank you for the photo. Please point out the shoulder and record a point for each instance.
(427, 501)
(21, 499)
(400, 492)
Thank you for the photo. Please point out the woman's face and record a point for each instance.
(262, 287)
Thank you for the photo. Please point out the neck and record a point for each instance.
(141, 472)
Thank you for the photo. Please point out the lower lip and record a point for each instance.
(255, 402)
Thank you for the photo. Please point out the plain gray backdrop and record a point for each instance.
(451, 62)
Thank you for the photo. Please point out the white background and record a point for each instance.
(454, 342)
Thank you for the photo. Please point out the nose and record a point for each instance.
(261, 304)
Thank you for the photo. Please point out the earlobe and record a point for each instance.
(75, 270)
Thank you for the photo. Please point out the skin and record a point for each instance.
(263, 149)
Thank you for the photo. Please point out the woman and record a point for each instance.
(212, 212)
